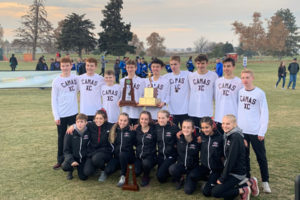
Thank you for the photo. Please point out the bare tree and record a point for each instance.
(156, 46)
(210, 47)
(1, 36)
(139, 45)
(36, 30)
(253, 37)
(276, 37)
(201, 45)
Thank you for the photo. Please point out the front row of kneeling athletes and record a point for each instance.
(100, 145)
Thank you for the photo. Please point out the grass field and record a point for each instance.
(29, 138)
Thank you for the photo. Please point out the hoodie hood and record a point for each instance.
(81, 132)
(235, 130)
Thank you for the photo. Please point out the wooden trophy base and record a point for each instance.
(134, 186)
(131, 187)
(127, 103)
(148, 102)
(145, 105)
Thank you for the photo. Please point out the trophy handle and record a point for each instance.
(150, 80)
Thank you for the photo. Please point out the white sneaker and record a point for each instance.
(102, 177)
(121, 181)
(266, 187)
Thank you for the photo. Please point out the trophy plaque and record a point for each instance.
(130, 179)
(128, 94)
(150, 95)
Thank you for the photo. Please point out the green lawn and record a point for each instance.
(29, 139)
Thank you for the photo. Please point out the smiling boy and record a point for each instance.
(253, 118)
(90, 85)
(64, 104)
(202, 84)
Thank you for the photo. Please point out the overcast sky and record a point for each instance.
(180, 22)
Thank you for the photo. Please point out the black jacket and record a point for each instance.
(13, 61)
(125, 140)
(99, 138)
(235, 155)
(293, 68)
(281, 71)
(41, 67)
(82, 69)
(166, 140)
(145, 143)
(188, 153)
(212, 151)
(75, 146)
(117, 68)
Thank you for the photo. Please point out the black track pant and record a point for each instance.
(102, 71)
(178, 119)
(66, 166)
(144, 165)
(112, 166)
(163, 168)
(97, 161)
(201, 173)
(260, 151)
(123, 159)
(117, 75)
(61, 130)
(227, 190)
(176, 170)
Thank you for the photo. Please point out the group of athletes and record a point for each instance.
(179, 135)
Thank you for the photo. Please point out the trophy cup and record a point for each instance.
(150, 95)
(130, 179)
(128, 94)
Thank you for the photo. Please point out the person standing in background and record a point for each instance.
(189, 64)
(41, 65)
(123, 66)
(55, 66)
(103, 65)
(117, 69)
(281, 74)
(219, 67)
(293, 69)
(13, 62)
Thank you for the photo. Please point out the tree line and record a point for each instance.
(75, 34)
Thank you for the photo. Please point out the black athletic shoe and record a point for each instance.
(70, 176)
(56, 166)
(145, 181)
(179, 184)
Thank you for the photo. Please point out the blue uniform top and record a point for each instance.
(168, 68)
(138, 68)
(122, 66)
(78, 66)
(219, 69)
(144, 71)
(149, 66)
(190, 65)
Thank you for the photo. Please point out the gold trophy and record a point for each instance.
(150, 95)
